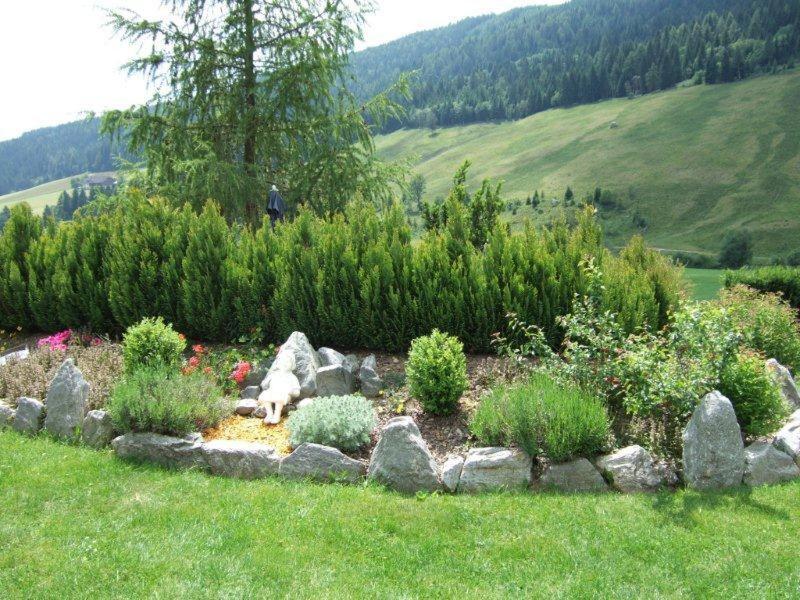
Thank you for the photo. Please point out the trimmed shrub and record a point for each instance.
(437, 372)
(543, 418)
(755, 396)
(20, 232)
(160, 401)
(776, 280)
(152, 344)
(343, 422)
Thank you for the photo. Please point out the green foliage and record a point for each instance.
(544, 418)
(343, 422)
(159, 401)
(737, 249)
(776, 280)
(152, 344)
(437, 372)
(756, 397)
(19, 233)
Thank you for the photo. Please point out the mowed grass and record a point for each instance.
(76, 523)
(705, 283)
(40, 196)
(694, 162)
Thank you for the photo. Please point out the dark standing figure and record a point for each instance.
(276, 207)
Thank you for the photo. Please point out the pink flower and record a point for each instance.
(57, 341)
(194, 362)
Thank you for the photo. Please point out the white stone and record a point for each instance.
(451, 473)
(632, 470)
(321, 463)
(784, 379)
(98, 429)
(242, 460)
(66, 402)
(29, 416)
(164, 450)
(401, 459)
(765, 464)
(788, 438)
(246, 407)
(14, 356)
(577, 476)
(7, 415)
(335, 380)
(304, 360)
(487, 469)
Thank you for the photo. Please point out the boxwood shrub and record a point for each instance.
(437, 372)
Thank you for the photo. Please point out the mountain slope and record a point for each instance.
(691, 162)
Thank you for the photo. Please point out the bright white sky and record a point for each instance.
(58, 60)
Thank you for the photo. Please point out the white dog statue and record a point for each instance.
(282, 386)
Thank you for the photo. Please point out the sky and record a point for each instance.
(58, 59)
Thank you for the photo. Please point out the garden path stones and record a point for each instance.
(246, 407)
(306, 363)
(371, 384)
(451, 473)
(713, 452)
(7, 415)
(98, 429)
(401, 459)
(786, 440)
(765, 464)
(335, 380)
(242, 460)
(783, 377)
(321, 463)
(66, 401)
(164, 450)
(632, 470)
(29, 416)
(487, 469)
(574, 477)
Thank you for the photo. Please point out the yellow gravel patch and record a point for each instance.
(251, 430)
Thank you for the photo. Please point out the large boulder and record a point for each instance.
(784, 379)
(487, 469)
(164, 450)
(335, 380)
(631, 470)
(98, 429)
(245, 407)
(765, 464)
(66, 402)
(786, 440)
(371, 384)
(306, 362)
(321, 463)
(401, 459)
(242, 460)
(7, 415)
(713, 451)
(578, 476)
(451, 473)
(29, 416)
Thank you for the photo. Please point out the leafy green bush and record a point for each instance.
(775, 280)
(152, 344)
(437, 372)
(755, 396)
(343, 422)
(542, 417)
(160, 401)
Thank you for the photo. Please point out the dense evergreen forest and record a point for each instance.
(531, 59)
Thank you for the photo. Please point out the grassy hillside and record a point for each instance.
(694, 162)
(41, 195)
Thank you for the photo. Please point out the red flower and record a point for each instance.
(241, 371)
(198, 349)
(194, 361)
(207, 370)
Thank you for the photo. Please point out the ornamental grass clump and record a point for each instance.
(152, 344)
(343, 422)
(437, 372)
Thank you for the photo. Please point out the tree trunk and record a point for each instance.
(250, 127)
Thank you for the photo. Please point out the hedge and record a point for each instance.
(355, 281)
(782, 280)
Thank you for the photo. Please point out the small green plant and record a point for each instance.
(152, 343)
(755, 396)
(543, 417)
(437, 372)
(161, 401)
(344, 422)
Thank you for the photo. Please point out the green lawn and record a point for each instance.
(706, 283)
(40, 196)
(76, 523)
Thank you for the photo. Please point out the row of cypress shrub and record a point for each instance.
(355, 281)
(777, 280)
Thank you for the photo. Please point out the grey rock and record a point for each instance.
(306, 363)
(306, 402)
(246, 407)
(574, 477)
(487, 469)
(66, 401)
(328, 357)
(260, 412)
(451, 473)
(257, 374)
(7, 415)
(29, 416)
(321, 463)
(242, 460)
(632, 470)
(164, 450)
(786, 440)
(251, 392)
(401, 459)
(371, 384)
(335, 380)
(765, 464)
(713, 452)
(14, 357)
(98, 429)
(784, 379)
(351, 364)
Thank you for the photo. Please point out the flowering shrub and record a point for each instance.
(228, 368)
(240, 372)
(57, 341)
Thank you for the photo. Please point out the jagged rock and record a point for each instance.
(328, 357)
(306, 363)
(631, 470)
(371, 384)
(7, 415)
(29, 416)
(401, 459)
(98, 429)
(488, 469)
(451, 473)
(765, 464)
(66, 401)
(251, 392)
(713, 452)
(322, 463)
(243, 460)
(335, 380)
(787, 439)
(246, 407)
(784, 379)
(164, 450)
(576, 476)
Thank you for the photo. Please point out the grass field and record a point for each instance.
(77, 523)
(40, 196)
(706, 283)
(694, 162)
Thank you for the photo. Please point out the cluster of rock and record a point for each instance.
(299, 373)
